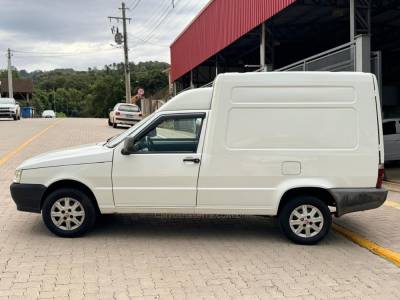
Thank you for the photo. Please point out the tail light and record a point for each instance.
(117, 113)
(381, 175)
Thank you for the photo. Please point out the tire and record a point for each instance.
(15, 118)
(79, 225)
(115, 125)
(109, 122)
(307, 233)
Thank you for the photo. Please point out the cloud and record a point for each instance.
(76, 33)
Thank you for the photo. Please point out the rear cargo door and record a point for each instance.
(379, 121)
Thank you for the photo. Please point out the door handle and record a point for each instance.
(191, 159)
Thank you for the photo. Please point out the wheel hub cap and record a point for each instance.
(306, 221)
(67, 213)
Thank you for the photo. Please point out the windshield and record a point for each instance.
(119, 138)
(7, 101)
(129, 108)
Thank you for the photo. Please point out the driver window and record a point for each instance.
(177, 134)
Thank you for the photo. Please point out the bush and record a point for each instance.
(61, 115)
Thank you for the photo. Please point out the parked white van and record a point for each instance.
(299, 146)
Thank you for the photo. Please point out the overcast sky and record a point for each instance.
(49, 34)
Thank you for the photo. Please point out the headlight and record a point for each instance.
(17, 176)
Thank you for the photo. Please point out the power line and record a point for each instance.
(153, 33)
(154, 17)
(148, 42)
(134, 5)
(131, 3)
(176, 19)
(161, 20)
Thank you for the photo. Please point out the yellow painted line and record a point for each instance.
(392, 204)
(10, 154)
(390, 255)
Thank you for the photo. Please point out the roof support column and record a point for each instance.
(352, 20)
(360, 32)
(191, 79)
(216, 65)
(363, 53)
(263, 46)
(174, 90)
(270, 48)
(266, 48)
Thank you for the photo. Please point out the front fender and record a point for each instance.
(96, 176)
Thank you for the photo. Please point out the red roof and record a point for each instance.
(219, 24)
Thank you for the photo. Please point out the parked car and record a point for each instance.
(48, 114)
(124, 114)
(299, 146)
(391, 137)
(9, 108)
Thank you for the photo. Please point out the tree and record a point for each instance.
(92, 93)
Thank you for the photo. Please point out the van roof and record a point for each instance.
(200, 99)
(196, 99)
(301, 76)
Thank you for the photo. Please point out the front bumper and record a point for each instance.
(352, 200)
(27, 197)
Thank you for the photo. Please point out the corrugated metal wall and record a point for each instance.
(219, 24)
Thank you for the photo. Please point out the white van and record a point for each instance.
(299, 146)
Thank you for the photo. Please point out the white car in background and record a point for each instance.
(9, 108)
(391, 137)
(124, 114)
(48, 114)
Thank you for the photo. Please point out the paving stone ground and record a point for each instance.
(177, 257)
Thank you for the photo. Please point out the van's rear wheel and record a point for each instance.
(305, 220)
(68, 213)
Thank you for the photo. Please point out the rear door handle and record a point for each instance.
(191, 159)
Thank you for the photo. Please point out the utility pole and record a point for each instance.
(125, 42)
(10, 79)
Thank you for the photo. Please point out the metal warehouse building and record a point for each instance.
(292, 35)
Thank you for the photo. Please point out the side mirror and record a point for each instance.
(129, 146)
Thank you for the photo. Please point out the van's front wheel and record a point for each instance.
(305, 220)
(68, 213)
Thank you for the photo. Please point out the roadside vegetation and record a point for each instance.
(93, 92)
